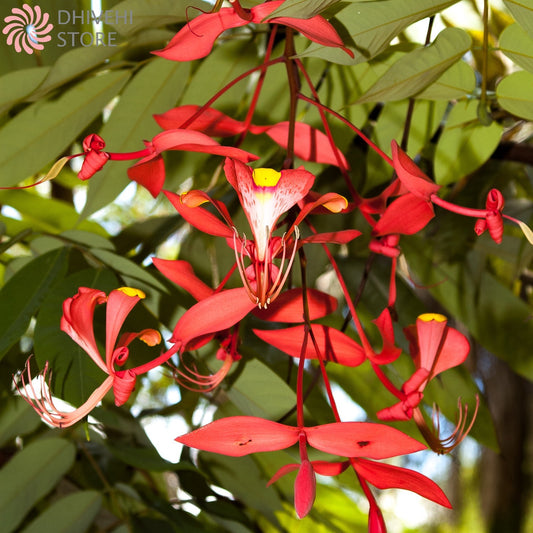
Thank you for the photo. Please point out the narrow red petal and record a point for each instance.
(284, 470)
(361, 439)
(454, 351)
(389, 351)
(410, 175)
(333, 345)
(182, 274)
(150, 173)
(196, 39)
(385, 476)
(327, 468)
(304, 489)
(199, 218)
(212, 122)
(215, 313)
(407, 215)
(288, 306)
(310, 144)
(430, 329)
(333, 237)
(241, 435)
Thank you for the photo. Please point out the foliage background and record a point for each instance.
(470, 126)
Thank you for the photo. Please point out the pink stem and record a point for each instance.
(460, 210)
(163, 358)
(130, 155)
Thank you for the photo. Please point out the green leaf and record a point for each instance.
(373, 25)
(517, 45)
(302, 9)
(72, 514)
(515, 94)
(30, 475)
(419, 68)
(23, 294)
(458, 81)
(17, 418)
(15, 86)
(124, 266)
(72, 64)
(88, 239)
(47, 214)
(465, 144)
(522, 11)
(154, 89)
(45, 129)
(252, 392)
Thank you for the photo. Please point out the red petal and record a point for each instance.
(326, 468)
(310, 144)
(215, 313)
(410, 175)
(196, 39)
(361, 439)
(453, 352)
(211, 122)
(284, 470)
(241, 435)
(150, 173)
(92, 163)
(195, 141)
(333, 344)
(385, 476)
(304, 489)
(407, 215)
(333, 237)
(182, 274)
(77, 321)
(200, 218)
(288, 306)
(389, 351)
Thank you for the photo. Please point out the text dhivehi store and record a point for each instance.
(92, 38)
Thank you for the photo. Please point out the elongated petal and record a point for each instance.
(77, 321)
(241, 435)
(333, 345)
(410, 175)
(200, 218)
(332, 201)
(182, 274)
(304, 489)
(284, 470)
(310, 144)
(407, 215)
(196, 39)
(385, 476)
(361, 439)
(430, 329)
(288, 306)
(389, 351)
(195, 141)
(327, 468)
(215, 313)
(316, 28)
(120, 302)
(150, 173)
(211, 121)
(332, 237)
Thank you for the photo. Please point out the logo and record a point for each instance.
(27, 28)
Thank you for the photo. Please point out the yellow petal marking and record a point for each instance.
(428, 317)
(130, 291)
(266, 177)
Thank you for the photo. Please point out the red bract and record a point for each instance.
(196, 39)
(77, 322)
(310, 144)
(242, 435)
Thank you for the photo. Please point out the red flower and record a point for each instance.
(77, 322)
(196, 39)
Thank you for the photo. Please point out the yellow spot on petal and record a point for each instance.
(428, 317)
(266, 177)
(130, 291)
(150, 337)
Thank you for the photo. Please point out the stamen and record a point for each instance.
(239, 258)
(274, 293)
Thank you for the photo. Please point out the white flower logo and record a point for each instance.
(27, 28)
